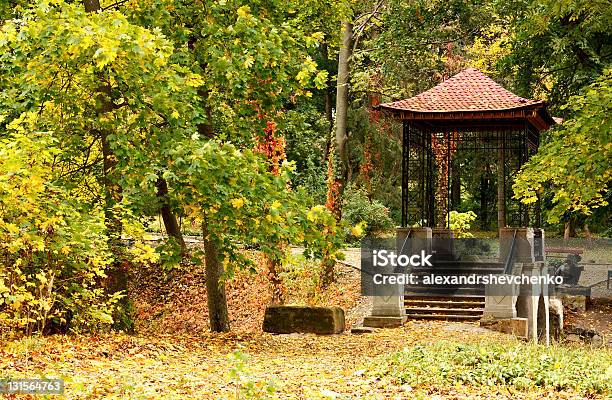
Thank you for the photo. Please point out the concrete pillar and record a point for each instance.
(523, 247)
(413, 240)
(500, 301)
(388, 301)
(532, 304)
(443, 244)
(529, 300)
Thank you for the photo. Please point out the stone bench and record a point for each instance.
(303, 319)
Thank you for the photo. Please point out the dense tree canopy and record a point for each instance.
(239, 119)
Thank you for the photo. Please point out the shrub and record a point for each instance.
(460, 223)
(53, 249)
(358, 208)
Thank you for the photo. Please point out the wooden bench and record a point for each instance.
(565, 250)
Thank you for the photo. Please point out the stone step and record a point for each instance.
(444, 291)
(455, 271)
(467, 263)
(450, 286)
(444, 310)
(447, 317)
(443, 304)
(465, 298)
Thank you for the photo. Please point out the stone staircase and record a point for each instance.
(448, 302)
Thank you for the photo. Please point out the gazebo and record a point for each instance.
(469, 111)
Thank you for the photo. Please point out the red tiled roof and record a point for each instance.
(469, 90)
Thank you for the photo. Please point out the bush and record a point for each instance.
(53, 249)
(358, 208)
(460, 223)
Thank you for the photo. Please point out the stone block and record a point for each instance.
(373, 321)
(574, 303)
(556, 317)
(412, 240)
(360, 330)
(500, 301)
(303, 319)
(389, 306)
(512, 326)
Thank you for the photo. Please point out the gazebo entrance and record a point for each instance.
(468, 114)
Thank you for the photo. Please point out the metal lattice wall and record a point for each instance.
(419, 173)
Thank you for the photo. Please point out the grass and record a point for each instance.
(514, 365)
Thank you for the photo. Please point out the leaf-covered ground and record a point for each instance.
(175, 301)
(300, 366)
(174, 357)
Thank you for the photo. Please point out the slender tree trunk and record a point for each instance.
(328, 98)
(342, 100)
(587, 234)
(336, 190)
(117, 274)
(484, 206)
(215, 288)
(170, 222)
(216, 299)
(501, 189)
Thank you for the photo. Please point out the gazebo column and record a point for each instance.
(501, 182)
(405, 167)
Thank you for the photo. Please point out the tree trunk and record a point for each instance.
(216, 299)
(275, 281)
(337, 179)
(92, 5)
(170, 222)
(587, 234)
(501, 183)
(117, 273)
(342, 100)
(328, 98)
(566, 232)
(215, 288)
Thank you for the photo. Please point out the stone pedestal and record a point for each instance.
(387, 308)
(500, 301)
(443, 243)
(513, 326)
(529, 300)
(388, 302)
(532, 304)
(523, 247)
(413, 240)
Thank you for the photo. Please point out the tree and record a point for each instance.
(107, 92)
(575, 160)
(557, 47)
(254, 61)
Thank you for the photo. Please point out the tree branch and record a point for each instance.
(117, 4)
